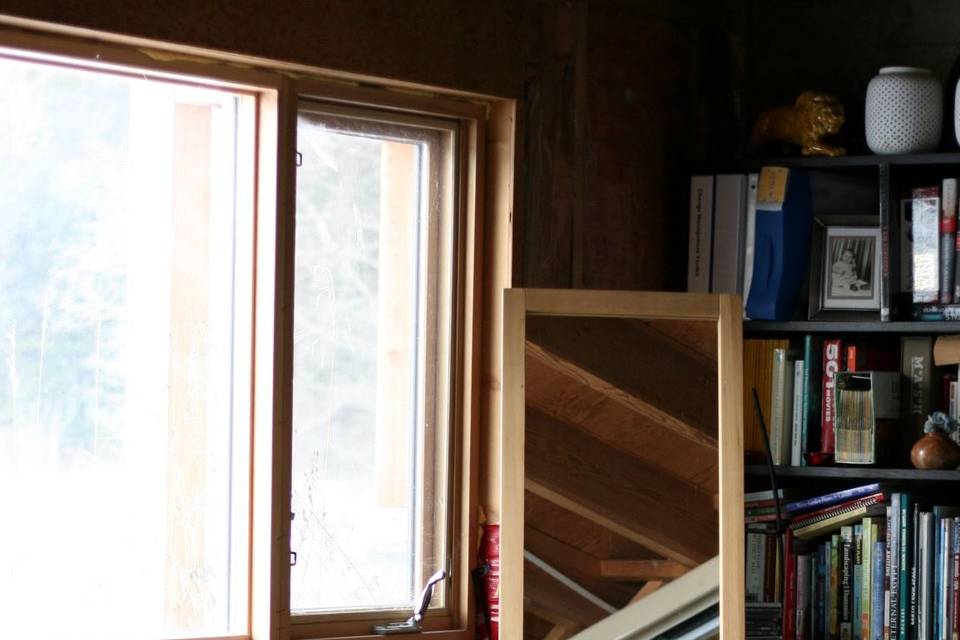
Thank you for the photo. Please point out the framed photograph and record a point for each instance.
(845, 267)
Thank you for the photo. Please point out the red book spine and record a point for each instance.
(851, 358)
(831, 364)
(790, 593)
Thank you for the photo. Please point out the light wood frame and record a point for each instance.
(726, 312)
(484, 192)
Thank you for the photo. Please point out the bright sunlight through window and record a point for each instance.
(125, 306)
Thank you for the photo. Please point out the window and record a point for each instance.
(125, 305)
(372, 358)
(202, 340)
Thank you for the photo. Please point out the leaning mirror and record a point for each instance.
(622, 481)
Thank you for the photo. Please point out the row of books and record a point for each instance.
(728, 220)
(865, 564)
(928, 251)
(863, 400)
(733, 214)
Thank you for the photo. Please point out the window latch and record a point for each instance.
(414, 623)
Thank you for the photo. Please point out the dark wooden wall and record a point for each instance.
(618, 98)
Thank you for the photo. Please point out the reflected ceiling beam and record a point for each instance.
(646, 590)
(580, 566)
(547, 589)
(561, 631)
(641, 570)
(615, 490)
(634, 365)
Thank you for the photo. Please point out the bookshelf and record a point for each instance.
(894, 176)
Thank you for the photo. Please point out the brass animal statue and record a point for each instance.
(805, 123)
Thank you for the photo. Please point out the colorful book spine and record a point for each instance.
(831, 365)
(869, 524)
(955, 558)
(857, 578)
(926, 245)
(876, 591)
(894, 543)
(790, 592)
(829, 499)
(906, 534)
(948, 238)
(835, 557)
(846, 583)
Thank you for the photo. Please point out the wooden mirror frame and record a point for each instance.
(726, 311)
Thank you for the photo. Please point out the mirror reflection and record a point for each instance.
(621, 469)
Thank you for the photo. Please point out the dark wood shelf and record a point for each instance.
(766, 327)
(859, 161)
(865, 474)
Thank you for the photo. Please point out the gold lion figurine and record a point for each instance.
(805, 123)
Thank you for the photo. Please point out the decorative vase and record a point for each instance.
(904, 111)
(935, 451)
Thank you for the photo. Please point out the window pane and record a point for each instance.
(122, 420)
(369, 417)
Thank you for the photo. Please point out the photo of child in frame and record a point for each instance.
(851, 268)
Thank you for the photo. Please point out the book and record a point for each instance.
(757, 374)
(750, 234)
(829, 511)
(894, 566)
(876, 591)
(812, 373)
(846, 583)
(729, 225)
(700, 234)
(840, 519)
(828, 499)
(803, 595)
(797, 445)
(857, 578)
(866, 570)
(916, 370)
(926, 245)
(831, 365)
(906, 553)
(782, 243)
(834, 600)
(948, 237)
(781, 405)
(889, 269)
(762, 496)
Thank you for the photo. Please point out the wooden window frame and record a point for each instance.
(485, 157)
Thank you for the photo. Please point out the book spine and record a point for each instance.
(906, 534)
(867, 571)
(836, 497)
(777, 402)
(846, 583)
(831, 365)
(886, 276)
(923, 578)
(754, 576)
(876, 591)
(914, 588)
(820, 595)
(812, 349)
(790, 595)
(926, 245)
(803, 596)
(857, 579)
(729, 222)
(701, 233)
(955, 592)
(797, 445)
(894, 543)
(956, 268)
(835, 557)
(948, 238)
(750, 236)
